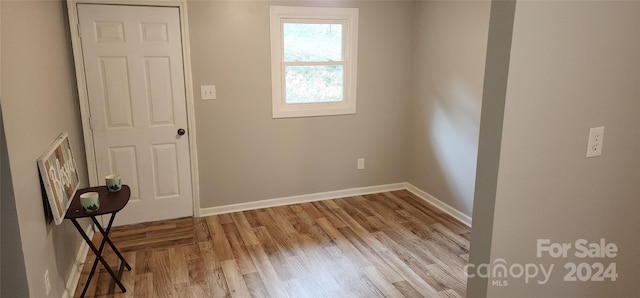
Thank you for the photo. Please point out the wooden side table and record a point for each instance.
(110, 203)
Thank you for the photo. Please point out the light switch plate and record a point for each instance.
(208, 92)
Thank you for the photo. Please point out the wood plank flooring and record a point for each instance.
(389, 244)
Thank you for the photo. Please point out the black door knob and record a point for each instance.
(181, 132)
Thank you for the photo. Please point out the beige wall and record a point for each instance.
(574, 65)
(245, 155)
(39, 101)
(444, 119)
(13, 276)
(492, 114)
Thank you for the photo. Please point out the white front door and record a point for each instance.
(135, 84)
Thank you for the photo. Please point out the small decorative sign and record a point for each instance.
(59, 175)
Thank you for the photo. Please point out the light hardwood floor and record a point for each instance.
(390, 244)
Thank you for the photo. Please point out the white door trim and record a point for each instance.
(83, 97)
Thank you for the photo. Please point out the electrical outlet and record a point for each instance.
(596, 139)
(47, 282)
(360, 164)
(208, 92)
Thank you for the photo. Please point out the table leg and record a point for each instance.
(105, 236)
(98, 253)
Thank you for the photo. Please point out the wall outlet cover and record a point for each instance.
(360, 164)
(208, 92)
(596, 140)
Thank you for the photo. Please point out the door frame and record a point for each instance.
(83, 97)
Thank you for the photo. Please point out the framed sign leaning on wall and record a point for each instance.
(59, 176)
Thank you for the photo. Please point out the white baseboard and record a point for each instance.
(78, 263)
(455, 213)
(321, 196)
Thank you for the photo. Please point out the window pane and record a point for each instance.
(309, 84)
(312, 42)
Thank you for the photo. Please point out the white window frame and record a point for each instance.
(348, 17)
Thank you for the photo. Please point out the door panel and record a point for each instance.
(135, 84)
(166, 170)
(117, 94)
(157, 72)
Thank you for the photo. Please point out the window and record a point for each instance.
(313, 61)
